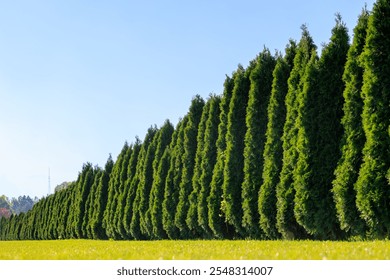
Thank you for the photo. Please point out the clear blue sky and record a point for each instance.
(79, 78)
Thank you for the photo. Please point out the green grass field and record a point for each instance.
(196, 250)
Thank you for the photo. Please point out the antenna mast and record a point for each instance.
(48, 193)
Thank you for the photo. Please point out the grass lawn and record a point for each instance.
(196, 250)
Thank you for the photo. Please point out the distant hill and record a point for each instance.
(18, 205)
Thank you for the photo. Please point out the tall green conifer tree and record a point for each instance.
(256, 123)
(145, 186)
(273, 150)
(188, 160)
(319, 136)
(156, 210)
(84, 186)
(234, 164)
(69, 229)
(92, 196)
(143, 180)
(157, 190)
(305, 145)
(131, 186)
(285, 192)
(121, 190)
(216, 220)
(134, 229)
(208, 160)
(192, 215)
(373, 189)
(171, 191)
(347, 170)
(100, 202)
(113, 192)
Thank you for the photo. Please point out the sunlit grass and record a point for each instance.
(196, 250)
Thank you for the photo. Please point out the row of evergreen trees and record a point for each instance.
(297, 146)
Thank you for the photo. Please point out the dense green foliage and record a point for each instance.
(160, 169)
(319, 135)
(256, 123)
(285, 191)
(172, 181)
(353, 139)
(273, 149)
(192, 214)
(296, 147)
(215, 215)
(373, 188)
(141, 182)
(234, 164)
(188, 161)
(208, 161)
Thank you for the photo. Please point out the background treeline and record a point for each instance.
(15, 205)
(296, 147)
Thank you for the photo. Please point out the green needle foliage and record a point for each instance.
(113, 192)
(256, 123)
(69, 230)
(131, 185)
(145, 183)
(372, 187)
(156, 196)
(273, 150)
(192, 215)
(234, 164)
(101, 200)
(121, 190)
(137, 184)
(83, 189)
(171, 191)
(156, 211)
(208, 161)
(285, 192)
(145, 186)
(303, 172)
(347, 170)
(216, 220)
(319, 135)
(188, 160)
(128, 172)
(92, 196)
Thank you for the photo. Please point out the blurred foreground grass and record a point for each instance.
(193, 250)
